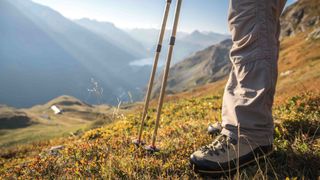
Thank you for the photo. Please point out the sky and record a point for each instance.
(203, 15)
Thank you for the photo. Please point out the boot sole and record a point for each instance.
(217, 174)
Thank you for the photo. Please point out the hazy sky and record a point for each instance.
(204, 15)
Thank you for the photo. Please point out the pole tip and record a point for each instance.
(152, 149)
(138, 142)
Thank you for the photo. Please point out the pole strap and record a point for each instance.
(159, 47)
(172, 40)
(169, 1)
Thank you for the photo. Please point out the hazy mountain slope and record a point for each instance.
(44, 55)
(189, 44)
(30, 61)
(115, 35)
(186, 44)
(206, 66)
(204, 39)
(147, 37)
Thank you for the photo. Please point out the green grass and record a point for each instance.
(35, 133)
(107, 152)
(44, 125)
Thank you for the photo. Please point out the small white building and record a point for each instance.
(55, 109)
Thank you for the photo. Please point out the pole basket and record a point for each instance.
(151, 149)
(138, 142)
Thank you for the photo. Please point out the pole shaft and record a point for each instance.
(166, 70)
(154, 68)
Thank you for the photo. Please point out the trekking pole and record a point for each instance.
(152, 147)
(153, 72)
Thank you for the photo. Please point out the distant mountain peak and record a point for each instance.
(196, 32)
(88, 20)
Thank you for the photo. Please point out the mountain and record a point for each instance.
(206, 66)
(115, 35)
(147, 37)
(300, 17)
(299, 61)
(186, 43)
(204, 39)
(44, 55)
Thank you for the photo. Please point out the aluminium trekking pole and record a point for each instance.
(153, 73)
(152, 147)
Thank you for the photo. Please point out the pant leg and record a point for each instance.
(249, 93)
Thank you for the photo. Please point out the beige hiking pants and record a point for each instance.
(248, 96)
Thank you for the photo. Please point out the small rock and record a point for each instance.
(314, 35)
(55, 150)
(286, 73)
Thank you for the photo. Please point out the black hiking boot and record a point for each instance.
(220, 158)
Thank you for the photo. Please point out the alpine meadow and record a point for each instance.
(74, 92)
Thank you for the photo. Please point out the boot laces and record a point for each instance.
(220, 144)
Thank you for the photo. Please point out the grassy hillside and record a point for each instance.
(107, 152)
(40, 123)
(300, 58)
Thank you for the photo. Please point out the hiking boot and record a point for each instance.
(214, 129)
(220, 157)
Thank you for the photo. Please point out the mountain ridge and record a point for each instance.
(57, 56)
(113, 34)
(186, 43)
(301, 16)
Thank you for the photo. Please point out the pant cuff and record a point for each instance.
(261, 141)
(229, 133)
